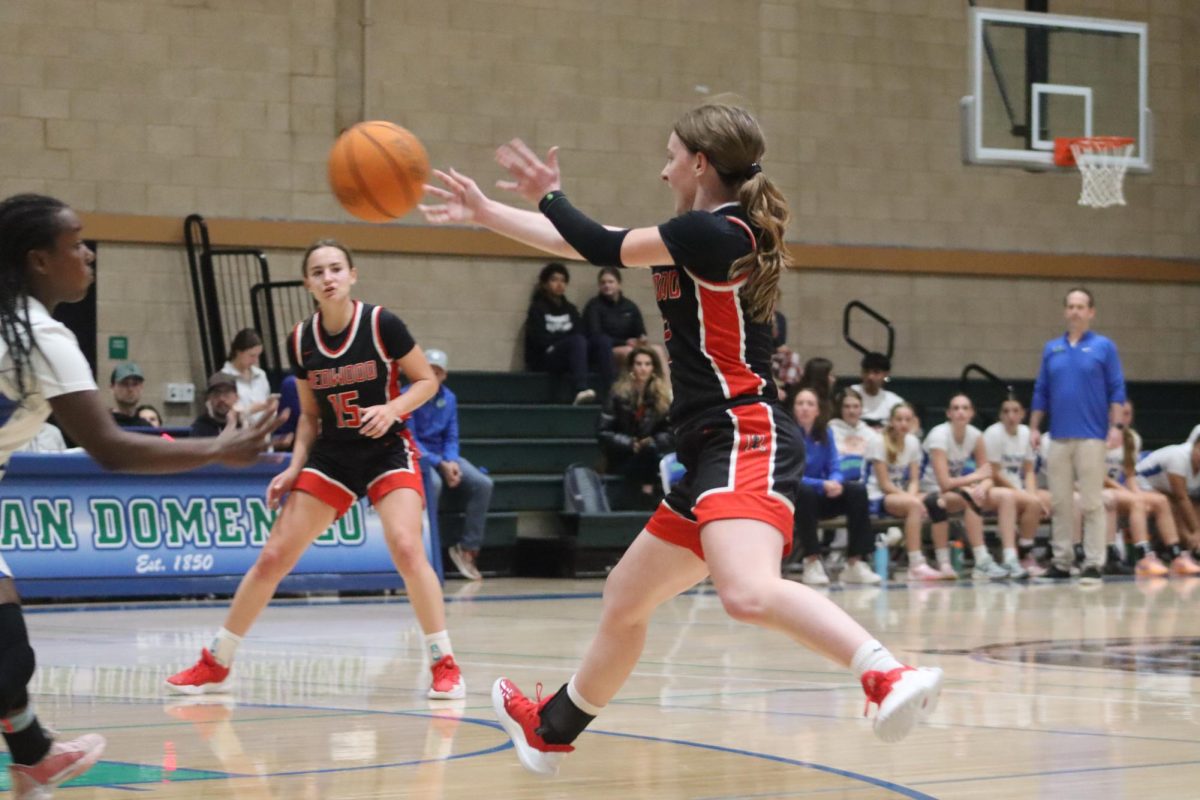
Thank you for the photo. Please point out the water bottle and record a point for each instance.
(881, 556)
(956, 556)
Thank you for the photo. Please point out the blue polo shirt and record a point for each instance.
(1076, 385)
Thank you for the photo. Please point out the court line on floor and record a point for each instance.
(1052, 772)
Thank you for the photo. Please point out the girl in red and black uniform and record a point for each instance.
(351, 441)
(731, 517)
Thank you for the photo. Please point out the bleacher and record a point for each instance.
(521, 427)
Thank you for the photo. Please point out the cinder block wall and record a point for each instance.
(227, 107)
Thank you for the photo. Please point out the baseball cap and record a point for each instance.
(221, 380)
(437, 358)
(127, 369)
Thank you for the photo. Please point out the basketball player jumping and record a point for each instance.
(731, 516)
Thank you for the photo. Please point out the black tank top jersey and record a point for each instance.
(719, 357)
(351, 370)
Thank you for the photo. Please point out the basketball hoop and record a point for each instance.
(1102, 161)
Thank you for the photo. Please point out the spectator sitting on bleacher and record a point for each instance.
(785, 364)
(1011, 455)
(851, 435)
(614, 322)
(554, 335)
(151, 415)
(824, 493)
(253, 388)
(1174, 471)
(952, 448)
(634, 430)
(435, 428)
(219, 401)
(1123, 495)
(127, 382)
(893, 464)
(49, 439)
(877, 402)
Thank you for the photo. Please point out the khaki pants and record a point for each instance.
(1077, 465)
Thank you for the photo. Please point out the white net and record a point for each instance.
(1102, 164)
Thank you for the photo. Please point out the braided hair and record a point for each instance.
(27, 222)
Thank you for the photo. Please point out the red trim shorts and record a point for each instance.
(743, 462)
(338, 473)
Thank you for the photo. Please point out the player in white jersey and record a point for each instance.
(1123, 495)
(44, 261)
(951, 447)
(893, 463)
(852, 435)
(1011, 455)
(1174, 471)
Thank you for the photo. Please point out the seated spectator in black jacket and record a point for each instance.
(554, 337)
(614, 323)
(634, 431)
(219, 400)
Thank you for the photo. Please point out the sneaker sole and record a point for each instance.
(81, 766)
(924, 688)
(467, 571)
(543, 765)
(457, 693)
(208, 688)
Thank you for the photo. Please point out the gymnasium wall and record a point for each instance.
(227, 107)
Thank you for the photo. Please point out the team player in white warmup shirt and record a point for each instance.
(1174, 470)
(949, 447)
(1013, 461)
(1123, 495)
(894, 487)
(44, 261)
(852, 436)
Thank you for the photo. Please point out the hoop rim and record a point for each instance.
(1064, 155)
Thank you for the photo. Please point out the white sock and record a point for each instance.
(224, 646)
(1010, 555)
(943, 555)
(438, 645)
(915, 558)
(982, 556)
(871, 655)
(580, 701)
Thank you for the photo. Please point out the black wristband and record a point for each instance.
(548, 198)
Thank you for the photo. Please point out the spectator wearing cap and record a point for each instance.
(127, 382)
(253, 388)
(434, 425)
(219, 400)
(877, 402)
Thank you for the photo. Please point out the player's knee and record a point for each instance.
(744, 603)
(272, 565)
(408, 551)
(17, 660)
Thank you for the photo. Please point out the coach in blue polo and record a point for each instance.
(1082, 387)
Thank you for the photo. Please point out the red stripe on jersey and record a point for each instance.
(750, 233)
(297, 334)
(723, 338)
(393, 374)
(353, 332)
(754, 458)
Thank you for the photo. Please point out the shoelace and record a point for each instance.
(442, 667)
(876, 685)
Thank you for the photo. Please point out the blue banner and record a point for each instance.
(68, 528)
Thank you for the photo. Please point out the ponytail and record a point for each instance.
(768, 211)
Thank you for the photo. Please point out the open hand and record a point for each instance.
(532, 177)
(239, 447)
(461, 199)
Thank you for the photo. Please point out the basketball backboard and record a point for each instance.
(1035, 77)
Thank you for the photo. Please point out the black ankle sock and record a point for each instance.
(1143, 549)
(28, 746)
(562, 720)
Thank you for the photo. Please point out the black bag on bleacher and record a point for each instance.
(583, 491)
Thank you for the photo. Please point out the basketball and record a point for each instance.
(377, 170)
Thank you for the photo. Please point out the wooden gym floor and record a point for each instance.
(1051, 692)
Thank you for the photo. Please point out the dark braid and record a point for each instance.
(27, 222)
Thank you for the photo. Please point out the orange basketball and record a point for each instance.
(378, 170)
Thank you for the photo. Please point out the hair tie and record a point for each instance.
(753, 170)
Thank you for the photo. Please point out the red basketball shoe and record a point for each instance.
(520, 718)
(904, 695)
(62, 762)
(447, 681)
(205, 677)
